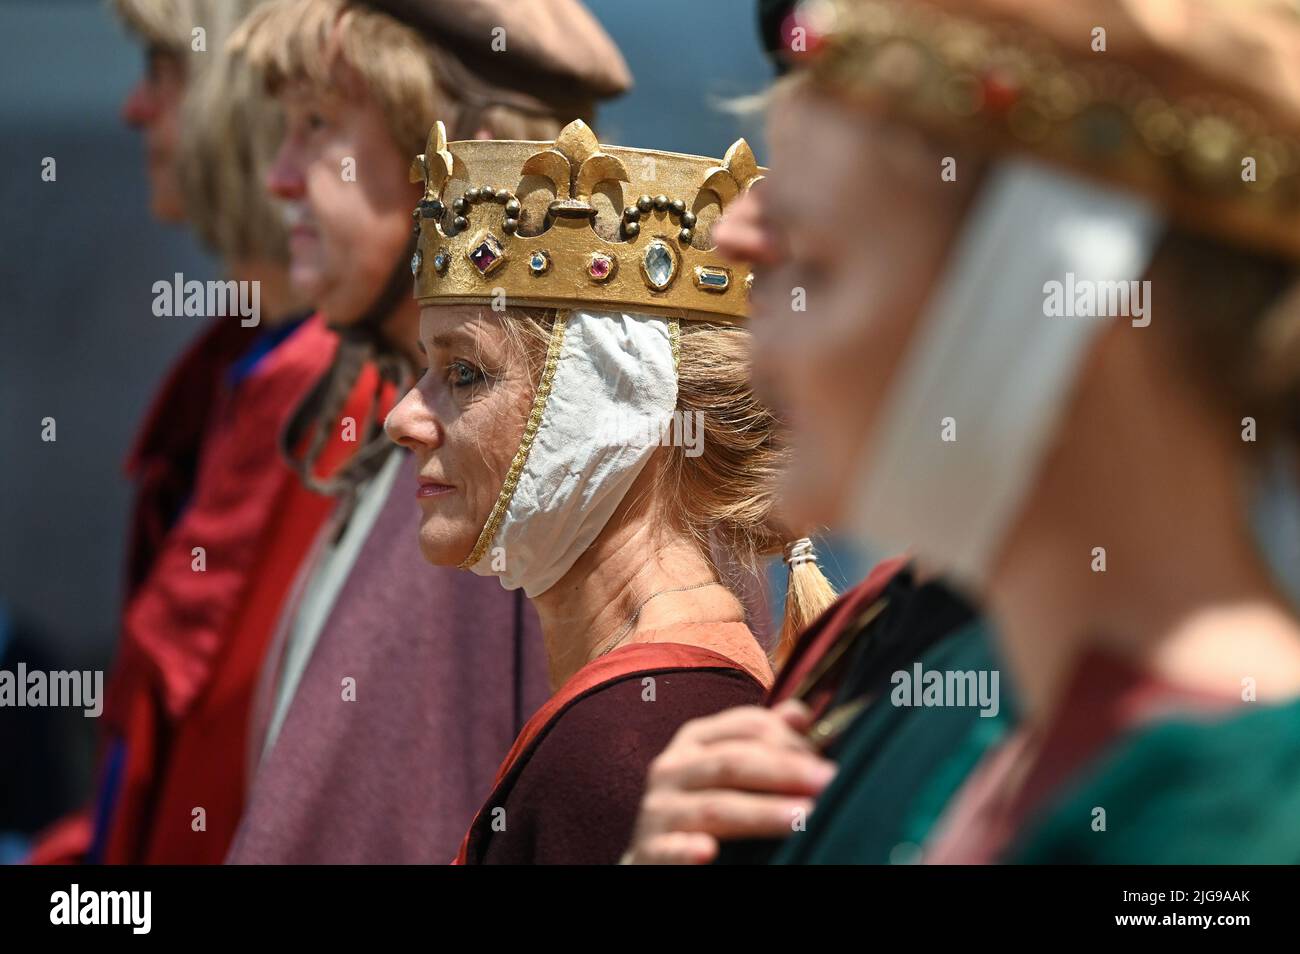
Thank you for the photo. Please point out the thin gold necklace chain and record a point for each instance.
(618, 637)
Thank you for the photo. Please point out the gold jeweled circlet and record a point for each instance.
(576, 224)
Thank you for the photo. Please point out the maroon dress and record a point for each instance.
(569, 791)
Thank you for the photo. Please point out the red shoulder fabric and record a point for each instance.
(821, 636)
(172, 628)
(193, 641)
(165, 457)
(619, 664)
(207, 761)
(163, 465)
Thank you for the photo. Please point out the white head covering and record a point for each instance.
(574, 466)
(989, 357)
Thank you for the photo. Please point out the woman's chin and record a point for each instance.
(441, 550)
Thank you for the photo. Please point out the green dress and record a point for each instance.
(898, 767)
(1185, 790)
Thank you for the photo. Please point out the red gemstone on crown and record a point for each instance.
(483, 257)
(1000, 90)
(600, 266)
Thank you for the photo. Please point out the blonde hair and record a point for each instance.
(729, 490)
(341, 46)
(728, 493)
(229, 126)
(351, 50)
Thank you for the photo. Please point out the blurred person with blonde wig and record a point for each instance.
(390, 691)
(212, 492)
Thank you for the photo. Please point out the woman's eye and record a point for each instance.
(315, 121)
(462, 375)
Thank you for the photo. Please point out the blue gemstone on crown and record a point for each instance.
(712, 279)
(539, 263)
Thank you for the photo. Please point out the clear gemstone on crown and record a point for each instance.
(659, 265)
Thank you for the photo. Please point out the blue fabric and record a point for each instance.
(106, 801)
(262, 345)
(14, 848)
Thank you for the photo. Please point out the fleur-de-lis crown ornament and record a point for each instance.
(575, 223)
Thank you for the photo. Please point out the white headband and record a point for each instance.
(988, 357)
(579, 464)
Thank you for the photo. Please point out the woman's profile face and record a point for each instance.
(846, 235)
(463, 420)
(154, 108)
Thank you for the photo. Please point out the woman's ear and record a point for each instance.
(484, 133)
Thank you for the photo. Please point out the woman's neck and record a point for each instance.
(1149, 481)
(609, 595)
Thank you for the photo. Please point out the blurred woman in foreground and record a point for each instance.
(1058, 380)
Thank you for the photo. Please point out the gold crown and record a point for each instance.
(574, 223)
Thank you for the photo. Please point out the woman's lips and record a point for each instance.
(428, 488)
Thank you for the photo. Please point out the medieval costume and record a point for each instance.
(569, 788)
(1124, 766)
(218, 523)
(899, 764)
(1181, 783)
(391, 690)
(571, 784)
(445, 670)
(194, 631)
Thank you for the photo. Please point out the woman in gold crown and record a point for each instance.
(540, 432)
(964, 385)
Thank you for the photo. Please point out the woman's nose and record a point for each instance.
(138, 108)
(411, 424)
(284, 179)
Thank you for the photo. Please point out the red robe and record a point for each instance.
(165, 458)
(193, 641)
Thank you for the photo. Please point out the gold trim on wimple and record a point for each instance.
(675, 340)
(525, 444)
